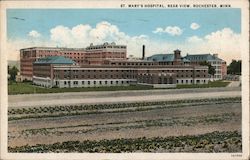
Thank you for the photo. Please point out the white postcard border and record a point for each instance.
(243, 4)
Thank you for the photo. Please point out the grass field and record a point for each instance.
(28, 88)
(210, 84)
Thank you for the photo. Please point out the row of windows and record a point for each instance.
(120, 76)
(104, 53)
(47, 51)
(98, 57)
(131, 71)
(101, 76)
(101, 47)
(95, 82)
(191, 81)
(76, 71)
(72, 53)
(183, 75)
(216, 62)
(132, 64)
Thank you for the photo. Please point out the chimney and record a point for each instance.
(177, 55)
(143, 52)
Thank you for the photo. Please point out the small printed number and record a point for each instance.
(236, 155)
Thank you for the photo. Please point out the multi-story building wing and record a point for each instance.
(30, 55)
(95, 54)
(217, 63)
(118, 72)
(92, 55)
(43, 69)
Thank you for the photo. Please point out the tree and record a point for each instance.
(234, 67)
(211, 69)
(12, 71)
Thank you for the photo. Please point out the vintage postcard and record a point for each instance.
(124, 79)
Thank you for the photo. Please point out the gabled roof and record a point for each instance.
(161, 57)
(202, 57)
(164, 58)
(54, 60)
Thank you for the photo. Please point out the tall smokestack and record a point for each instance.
(143, 51)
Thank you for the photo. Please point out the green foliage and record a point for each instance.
(229, 141)
(28, 88)
(211, 69)
(210, 84)
(234, 67)
(163, 122)
(12, 72)
(73, 110)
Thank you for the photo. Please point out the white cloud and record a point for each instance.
(225, 42)
(158, 30)
(83, 34)
(194, 39)
(34, 34)
(13, 46)
(194, 26)
(172, 30)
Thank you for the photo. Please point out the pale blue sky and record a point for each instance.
(214, 31)
(132, 22)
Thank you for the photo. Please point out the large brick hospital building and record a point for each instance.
(108, 65)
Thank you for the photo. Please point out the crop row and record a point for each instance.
(70, 108)
(210, 142)
(120, 110)
(173, 121)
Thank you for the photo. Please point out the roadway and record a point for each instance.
(52, 99)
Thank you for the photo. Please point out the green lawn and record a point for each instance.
(210, 84)
(28, 88)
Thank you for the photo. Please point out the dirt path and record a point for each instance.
(120, 96)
